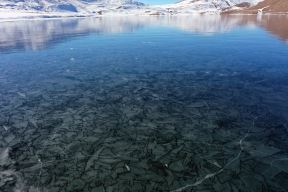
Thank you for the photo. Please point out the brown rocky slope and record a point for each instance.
(266, 6)
(278, 6)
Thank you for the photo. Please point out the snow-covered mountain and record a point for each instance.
(132, 7)
(65, 5)
(206, 6)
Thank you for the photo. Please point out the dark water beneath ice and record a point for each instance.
(144, 104)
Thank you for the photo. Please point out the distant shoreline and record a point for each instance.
(62, 15)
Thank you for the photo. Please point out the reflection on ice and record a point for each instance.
(24, 34)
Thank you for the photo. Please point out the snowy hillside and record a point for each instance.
(64, 5)
(206, 6)
(59, 8)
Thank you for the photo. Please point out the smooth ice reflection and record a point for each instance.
(37, 34)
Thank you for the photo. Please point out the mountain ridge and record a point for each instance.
(64, 5)
(50, 8)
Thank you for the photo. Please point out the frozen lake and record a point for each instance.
(144, 104)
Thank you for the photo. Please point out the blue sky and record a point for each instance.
(157, 1)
